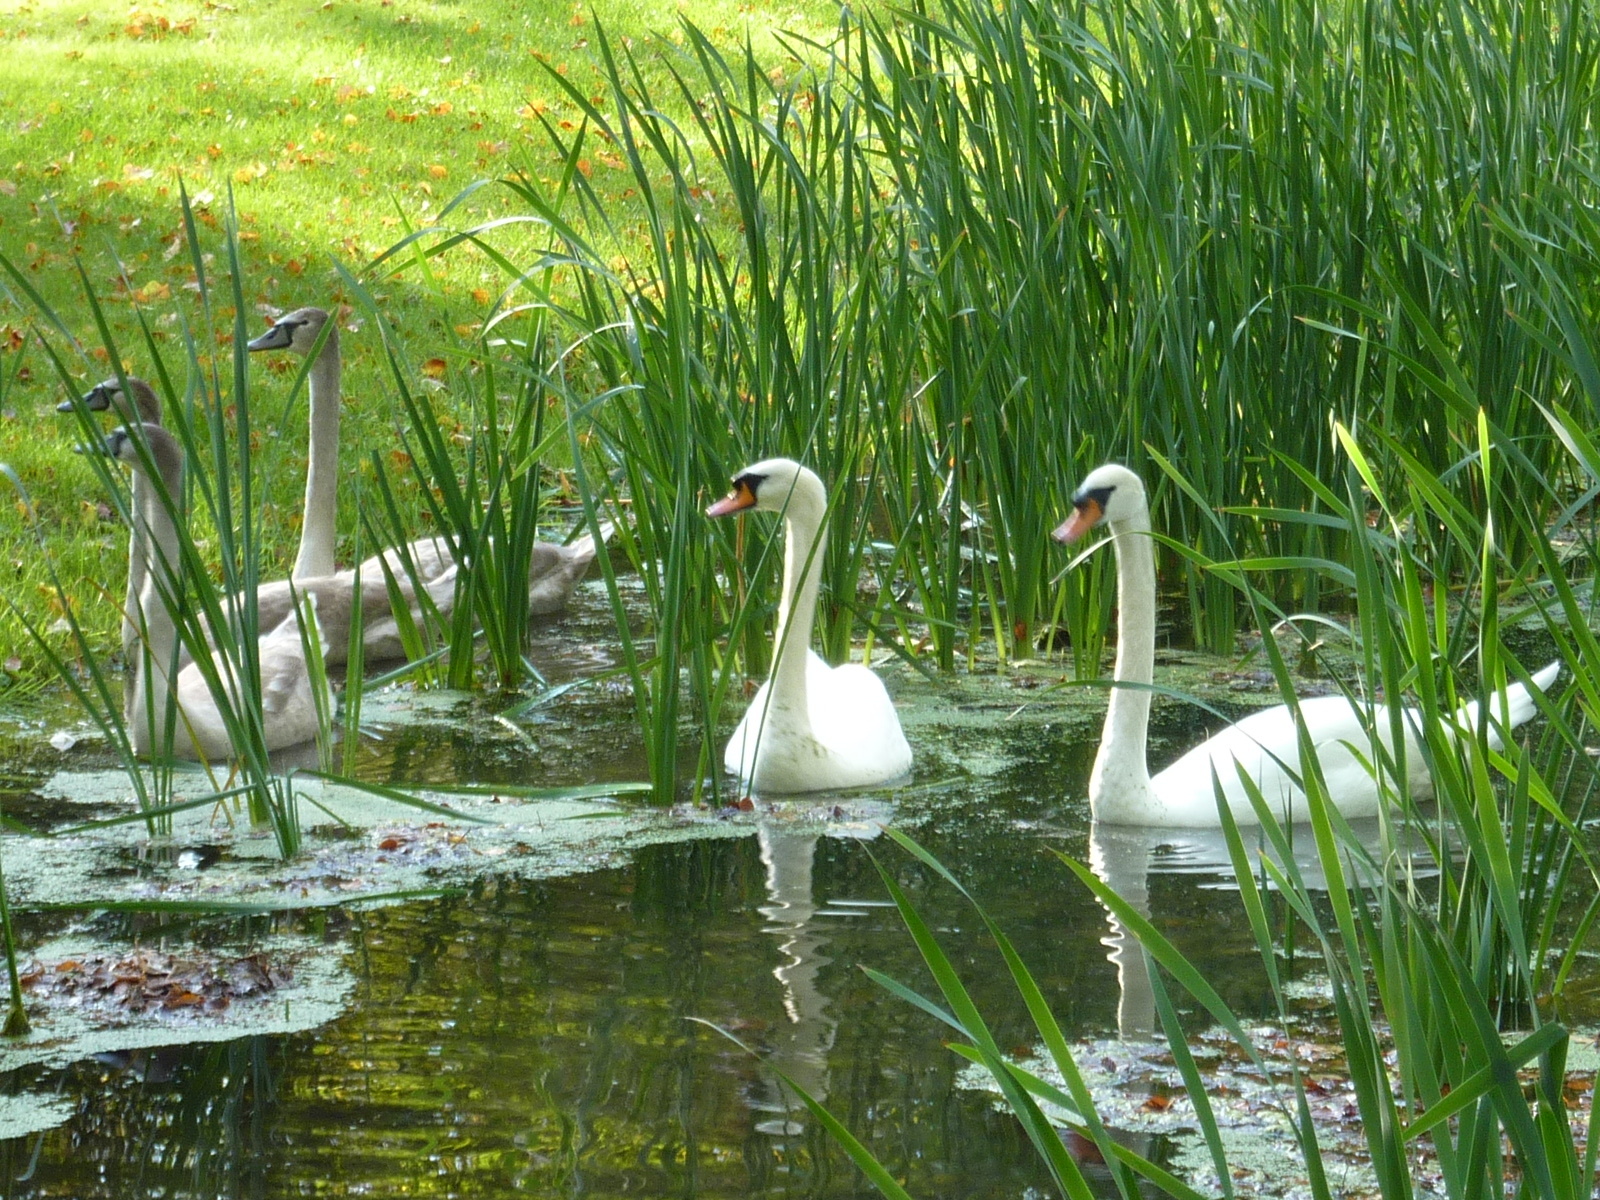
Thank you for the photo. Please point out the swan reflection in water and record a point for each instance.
(1125, 856)
(800, 1044)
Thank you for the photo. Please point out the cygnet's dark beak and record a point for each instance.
(276, 338)
(96, 399)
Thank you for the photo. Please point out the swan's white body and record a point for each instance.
(1265, 744)
(288, 697)
(811, 727)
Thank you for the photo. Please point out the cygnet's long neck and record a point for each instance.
(805, 540)
(145, 409)
(318, 528)
(155, 537)
(1121, 771)
(138, 500)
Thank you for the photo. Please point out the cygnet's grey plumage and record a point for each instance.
(289, 694)
(553, 570)
(137, 403)
(334, 593)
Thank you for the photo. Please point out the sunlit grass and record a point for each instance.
(337, 129)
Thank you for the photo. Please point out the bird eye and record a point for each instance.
(1100, 497)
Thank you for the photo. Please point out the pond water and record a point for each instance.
(540, 1033)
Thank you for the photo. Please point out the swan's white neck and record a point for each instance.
(318, 528)
(802, 575)
(1120, 783)
(155, 538)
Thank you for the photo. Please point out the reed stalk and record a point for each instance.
(16, 1023)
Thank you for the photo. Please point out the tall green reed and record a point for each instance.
(16, 1022)
(93, 687)
(964, 252)
(1447, 988)
(748, 324)
(1438, 637)
(1154, 213)
(1454, 964)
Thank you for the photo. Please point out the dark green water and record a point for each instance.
(542, 1038)
(535, 1040)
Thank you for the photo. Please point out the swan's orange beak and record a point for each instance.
(737, 500)
(1085, 516)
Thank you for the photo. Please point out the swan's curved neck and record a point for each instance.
(805, 539)
(318, 527)
(1121, 772)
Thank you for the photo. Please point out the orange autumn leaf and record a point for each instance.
(141, 23)
(438, 170)
(434, 368)
(479, 296)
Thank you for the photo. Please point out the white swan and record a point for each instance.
(811, 727)
(1266, 744)
(553, 570)
(288, 697)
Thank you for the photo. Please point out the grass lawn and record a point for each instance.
(336, 127)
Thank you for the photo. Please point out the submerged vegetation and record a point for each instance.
(1323, 279)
